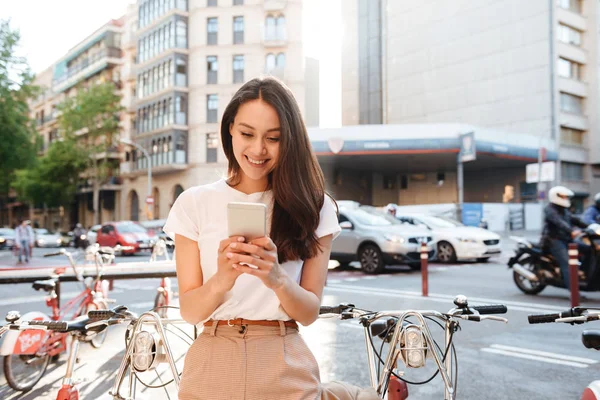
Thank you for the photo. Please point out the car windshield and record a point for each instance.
(372, 217)
(130, 228)
(42, 231)
(7, 232)
(439, 222)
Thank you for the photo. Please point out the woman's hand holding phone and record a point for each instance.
(226, 274)
(262, 253)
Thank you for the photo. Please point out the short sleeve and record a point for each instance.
(183, 217)
(328, 224)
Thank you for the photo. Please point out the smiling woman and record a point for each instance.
(251, 315)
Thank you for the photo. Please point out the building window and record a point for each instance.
(566, 34)
(571, 137)
(238, 2)
(212, 70)
(238, 69)
(569, 69)
(572, 171)
(212, 106)
(211, 3)
(180, 72)
(571, 5)
(280, 62)
(212, 144)
(571, 104)
(212, 30)
(280, 30)
(181, 34)
(270, 28)
(270, 62)
(238, 30)
(180, 110)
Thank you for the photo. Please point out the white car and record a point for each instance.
(456, 241)
(92, 234)
(43, 238)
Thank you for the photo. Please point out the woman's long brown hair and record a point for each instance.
(297, 181)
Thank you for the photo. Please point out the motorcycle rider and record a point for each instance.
(77, 233)
(559, 229)
(592, 213)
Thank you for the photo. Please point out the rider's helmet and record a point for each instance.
(561, 196)
(391, 209)
(597, 200)
(78, 225)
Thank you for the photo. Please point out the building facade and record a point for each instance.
(176, 65)
(528, 68)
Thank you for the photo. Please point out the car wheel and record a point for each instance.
(446, 252)
(371, 259)
(483, 259)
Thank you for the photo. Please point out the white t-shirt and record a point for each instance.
(200, 214)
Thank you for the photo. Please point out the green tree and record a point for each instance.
(52, 180)
(92, 119)
(17, 132)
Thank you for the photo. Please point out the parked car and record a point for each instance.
(125, 233)
(7, 238)
(456, 241)
(155, 229)
(45, 238)
(377, 239)
(92, 234)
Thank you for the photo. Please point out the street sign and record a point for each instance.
(468, 151)
(149, 200)
(548, 172)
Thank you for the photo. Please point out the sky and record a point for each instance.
(49, 28)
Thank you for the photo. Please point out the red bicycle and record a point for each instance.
(27, 352)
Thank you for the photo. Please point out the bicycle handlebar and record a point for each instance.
(491, 309)
(58, 253)
(548, 318)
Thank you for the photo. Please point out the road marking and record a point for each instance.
(145, 305)
(545, 354)
(441, 298)
(369, 277)
(352, 279)
(535, 358)
(351, 325)
(333, 281)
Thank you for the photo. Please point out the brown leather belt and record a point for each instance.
(241, 321)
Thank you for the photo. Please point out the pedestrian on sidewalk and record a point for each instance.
(23, 239)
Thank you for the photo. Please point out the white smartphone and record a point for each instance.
(247, 219)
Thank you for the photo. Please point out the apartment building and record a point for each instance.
(176, 64)
(528, 68)
(192, 56)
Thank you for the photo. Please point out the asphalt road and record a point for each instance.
(496, 360)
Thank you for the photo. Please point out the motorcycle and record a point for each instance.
(81, 241)
(534, 269)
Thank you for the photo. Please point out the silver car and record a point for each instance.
(377, 239)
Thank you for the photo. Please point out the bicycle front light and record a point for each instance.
(147, 352)
(413, 347)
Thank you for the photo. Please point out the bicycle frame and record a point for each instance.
(127, 365)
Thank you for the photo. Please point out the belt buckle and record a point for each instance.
(242, 326)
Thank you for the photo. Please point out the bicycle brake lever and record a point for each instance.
(494, 318)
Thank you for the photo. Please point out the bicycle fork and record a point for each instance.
(127, 366)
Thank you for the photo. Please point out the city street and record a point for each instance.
(496, 360)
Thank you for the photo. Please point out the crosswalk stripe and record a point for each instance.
(545, 354)
(535, 358)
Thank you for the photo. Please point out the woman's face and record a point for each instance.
(255, 135)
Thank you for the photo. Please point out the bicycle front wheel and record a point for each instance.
(24, 371)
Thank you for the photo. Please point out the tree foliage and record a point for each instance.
(17, 132)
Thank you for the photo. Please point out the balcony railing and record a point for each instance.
(88, 64)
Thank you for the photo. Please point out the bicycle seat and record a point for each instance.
(591, 339)
(47, 285)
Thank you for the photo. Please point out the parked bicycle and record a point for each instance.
(410, 343)
(81, 329)
(590, 338)
(27, 353)
(147, 347)
(164, 293)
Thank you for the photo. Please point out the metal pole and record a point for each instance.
(574, 274)
(424, 272)
(460, 183)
